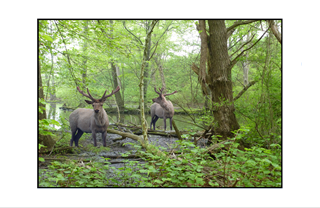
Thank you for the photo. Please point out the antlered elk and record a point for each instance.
(161, 108)
(90, 120)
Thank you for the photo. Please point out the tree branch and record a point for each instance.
(274, 30)
(124, 24)
(234, 61)
(238, 40)
(163, 34)
(244, 89)
(154, 51)
(65, 46)
(231, 29)
(243, 45)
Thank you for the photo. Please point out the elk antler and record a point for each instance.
(170, 93)
(84, 94)
(155, 89)
(161, 92)
(104, 96)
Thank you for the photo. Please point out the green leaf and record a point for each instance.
(47, 37)
(158, 181)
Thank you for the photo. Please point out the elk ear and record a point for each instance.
(89, 101)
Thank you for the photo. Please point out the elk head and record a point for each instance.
(97, 103)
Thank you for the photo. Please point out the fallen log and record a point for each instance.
(144, 144)
(62, 149)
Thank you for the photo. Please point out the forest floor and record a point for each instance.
(114, 150)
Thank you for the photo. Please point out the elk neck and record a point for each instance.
(100, 118)
(166, 105)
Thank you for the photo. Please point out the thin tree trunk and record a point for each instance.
(162, 78)
(116, 80)
(146, 70)
(85, 57)
(46, 140)
(142, 78)
(116, 83)
(245, 66)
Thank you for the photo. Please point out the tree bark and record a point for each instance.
(85, 57)
(147, 56)
(203, 56)
(142, 78)
(274, 30)
(219, 75)
(157, 59)
(46, 140)
(115, 78)
(116, 83)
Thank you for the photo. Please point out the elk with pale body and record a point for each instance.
(161, 108)
(90, 120)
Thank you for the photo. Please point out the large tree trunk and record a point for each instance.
(219, 75)
(46, 140)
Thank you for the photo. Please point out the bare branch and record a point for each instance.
(234, 61)
(65, 46)
(243, 45)
(163, 33)
(244, 89)
(154, 51)
(239, 40)
(230, 29)
(138, 39)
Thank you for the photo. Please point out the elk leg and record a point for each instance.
(104, 137)
(94, 138)
(77, 137)
(170, 124)
(154, 120)
(165, 123)
(73, 136)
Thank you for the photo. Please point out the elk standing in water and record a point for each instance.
(161, 109)
(90, 120)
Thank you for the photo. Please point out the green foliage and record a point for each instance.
(74, 174)
(189, 166)
(41, 159)
(46, 124)
(79, 52)
(254, 167)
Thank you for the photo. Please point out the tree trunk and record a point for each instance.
(146, 70)
(159, 65)
(85, 57)
(46, 140)
(219, 75)
(142, 79)
(274, 30)
(116, 82)
(245, 66)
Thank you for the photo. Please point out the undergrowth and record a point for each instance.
(186, 165)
